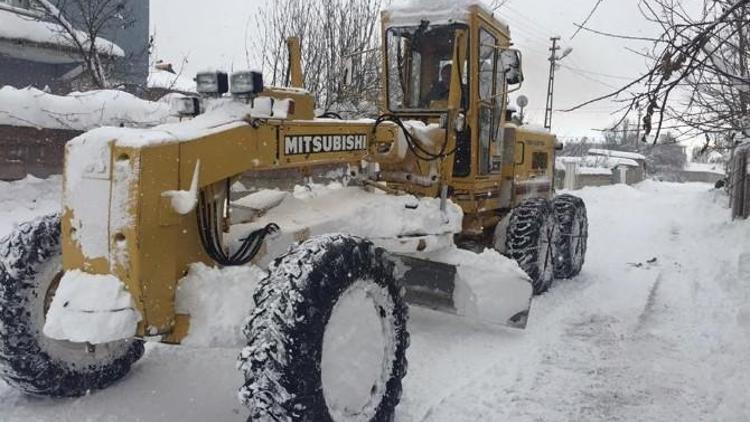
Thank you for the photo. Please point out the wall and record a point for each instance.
(22, 73)
(29, 151)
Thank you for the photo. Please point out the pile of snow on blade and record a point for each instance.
(217, 300)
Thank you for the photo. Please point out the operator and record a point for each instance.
(440, 88)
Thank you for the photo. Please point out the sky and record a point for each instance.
(219, 33)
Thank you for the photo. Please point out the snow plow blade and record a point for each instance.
(498, 296)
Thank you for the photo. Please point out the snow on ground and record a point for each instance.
(630, 338)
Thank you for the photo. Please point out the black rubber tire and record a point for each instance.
(30, 259)
(282, 361)
(570, 248)
(531, 230)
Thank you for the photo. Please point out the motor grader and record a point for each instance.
(436, 179)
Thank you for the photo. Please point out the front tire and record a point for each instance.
(30, 266)
(532, 231)
(327, 339)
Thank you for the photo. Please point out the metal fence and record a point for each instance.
(739, 180)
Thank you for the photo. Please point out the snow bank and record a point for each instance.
(91, 308)
(21, 28)
(26, 199)
(78, 111)
(217, 300)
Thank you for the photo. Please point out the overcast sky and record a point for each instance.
(213, 34)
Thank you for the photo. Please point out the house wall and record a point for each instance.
(22, 73)
(131, 70)
(29, 151)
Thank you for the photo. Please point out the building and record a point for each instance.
(33, 52)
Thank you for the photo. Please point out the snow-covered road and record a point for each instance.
(656, 328)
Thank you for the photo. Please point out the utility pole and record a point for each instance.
(551, 83)
(638, 130)
(553, 59)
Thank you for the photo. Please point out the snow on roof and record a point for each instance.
(594, 171)
(598, 163)
(31, 107)
(413, 12)
(616, 154)
(171, 81)
(17, 27)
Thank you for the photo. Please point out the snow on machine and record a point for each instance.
(446, 206)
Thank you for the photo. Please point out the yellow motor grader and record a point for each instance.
(447, 206)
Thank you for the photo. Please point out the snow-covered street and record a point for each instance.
(655, 328)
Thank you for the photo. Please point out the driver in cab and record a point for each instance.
(440, 88)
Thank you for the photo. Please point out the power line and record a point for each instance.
(597, 73)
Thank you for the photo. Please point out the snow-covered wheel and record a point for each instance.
(327, 338)
(532, 232)
(30, 270)
(570, 247)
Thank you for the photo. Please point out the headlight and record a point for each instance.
(215, 83)
(187, 106)
(247, 83)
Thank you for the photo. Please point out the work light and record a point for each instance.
(247, 83)
(212, 83)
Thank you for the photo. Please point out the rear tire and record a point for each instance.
(570, 248)
(327, 339)
(532, 231)
(30, 264)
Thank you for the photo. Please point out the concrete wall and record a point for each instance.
(701, 176)
(28, 151)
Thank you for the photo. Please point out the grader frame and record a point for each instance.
(155, 249)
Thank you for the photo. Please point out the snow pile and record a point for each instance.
(21, 28)
(217, 300)
(171, 81)
(220, 115)
(78, 111)
(26, 199)
(91, 308)
(489, 286)
(318, 209)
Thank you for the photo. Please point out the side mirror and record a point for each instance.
(512, 64)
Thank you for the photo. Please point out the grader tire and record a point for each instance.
(30, 263)
(327, 338)
(531, 233)
(570, 248)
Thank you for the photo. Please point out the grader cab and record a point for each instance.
(434, 180)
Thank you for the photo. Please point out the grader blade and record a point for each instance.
(467, 289)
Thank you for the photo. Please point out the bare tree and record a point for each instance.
(81, 23)
(331, 32)
(697, 79)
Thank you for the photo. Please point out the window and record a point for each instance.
(539, 161)
(488, 101)
(419, 66)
